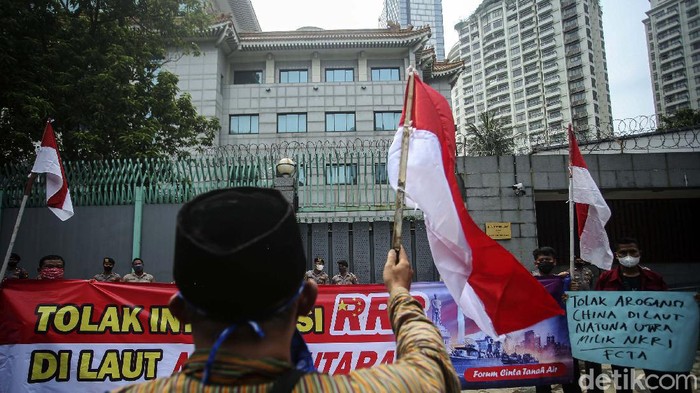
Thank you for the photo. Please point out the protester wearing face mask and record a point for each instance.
(317, 274)
(627, 275)
(51, 268)
(138, 275)
(107, 274)
(545, 261)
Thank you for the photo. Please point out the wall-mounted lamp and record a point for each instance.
(364, 87)
(286, 167)
(315, 87)
(267, 89)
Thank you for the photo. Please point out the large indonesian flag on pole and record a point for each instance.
(48, 161)
(489, 284)
(592, 212)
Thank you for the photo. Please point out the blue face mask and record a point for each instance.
(138, 269)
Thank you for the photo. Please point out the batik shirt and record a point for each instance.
(584, 278)
(320, 278)
(422, 365)
(111, 277)
(145, 277)
(339, 279)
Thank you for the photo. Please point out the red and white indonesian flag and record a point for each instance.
(488, 283)
(48, 161)
(591, 210)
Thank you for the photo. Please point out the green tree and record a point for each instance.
(490, 138)
(681, 119)
(95, 67)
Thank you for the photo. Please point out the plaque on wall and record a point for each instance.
(498, 230)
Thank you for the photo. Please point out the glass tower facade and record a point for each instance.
(417, 13)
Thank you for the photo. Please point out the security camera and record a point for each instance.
(519, 189)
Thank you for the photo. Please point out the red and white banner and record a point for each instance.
(71, 335)
(592, 212)
(48, 161)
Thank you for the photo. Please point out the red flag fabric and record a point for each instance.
(592, 213)
(490, 285)
(48, 161)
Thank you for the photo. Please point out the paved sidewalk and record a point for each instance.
(557, 388)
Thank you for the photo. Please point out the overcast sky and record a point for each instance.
(628, 65)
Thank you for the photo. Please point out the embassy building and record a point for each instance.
(304, 85)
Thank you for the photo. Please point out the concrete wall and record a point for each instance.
(487, 188)
(96, 232)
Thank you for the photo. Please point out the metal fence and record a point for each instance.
(641, 133)
(330, 176)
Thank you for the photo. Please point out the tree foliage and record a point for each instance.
(491, 138)
(95, 67)
(681, 119)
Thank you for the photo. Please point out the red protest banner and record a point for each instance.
(72, 335)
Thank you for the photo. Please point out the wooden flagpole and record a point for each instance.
(571, 208)
(27, 191)
(403, 161)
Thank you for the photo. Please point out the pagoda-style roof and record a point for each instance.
(332, 39)
(433, 69)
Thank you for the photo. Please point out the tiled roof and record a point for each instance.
(432, 68)
(312, 39)
(244, 16)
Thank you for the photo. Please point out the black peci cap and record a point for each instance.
(238, 253)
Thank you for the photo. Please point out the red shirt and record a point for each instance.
(612, 280)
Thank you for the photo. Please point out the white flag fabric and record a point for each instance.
(490, 285)
(48, 161)
(592, 212)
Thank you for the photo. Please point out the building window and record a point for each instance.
(341, 173)
(381, 176)
(243, 124)
(340, 75)
(291, 122)
(386, 121)
(247, 77)
(385, 74)
(293, 76)
(340, 121)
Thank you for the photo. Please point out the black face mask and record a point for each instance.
(545, 267)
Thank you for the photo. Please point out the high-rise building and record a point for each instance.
(673, 38)
(538, 64)
(417, 13)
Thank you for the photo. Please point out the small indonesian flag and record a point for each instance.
(592, 212)
(48, 161)
(489, 284)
